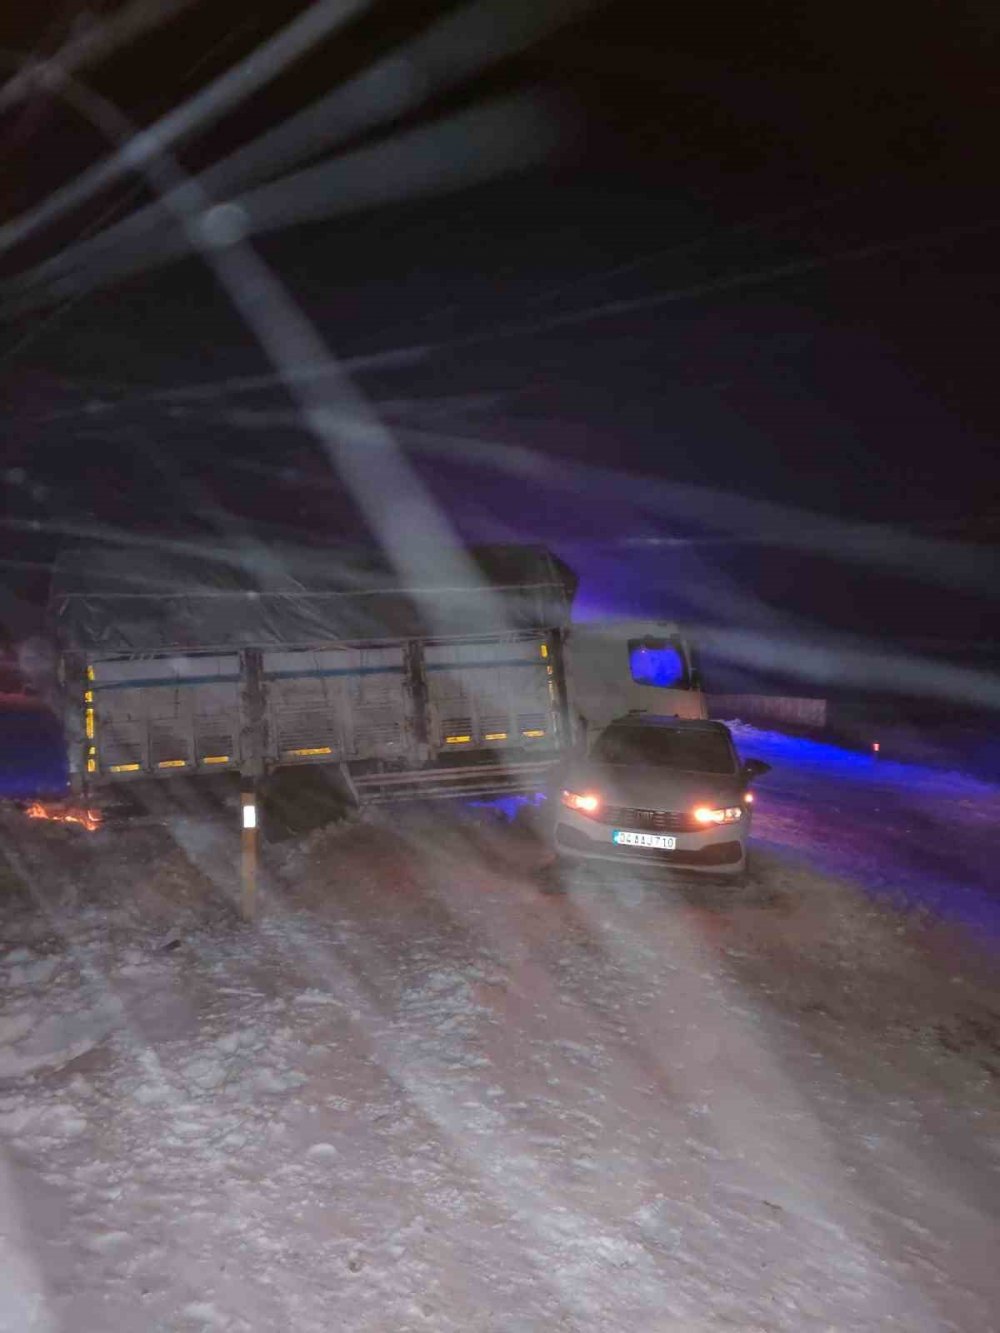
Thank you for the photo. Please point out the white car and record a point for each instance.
(659, 790)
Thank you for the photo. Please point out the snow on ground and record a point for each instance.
(424, 1095)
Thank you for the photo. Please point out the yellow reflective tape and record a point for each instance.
(495, 736)
(318, 749)
(124, 768)
(216, 759)
(456, 740)
(88, 697)
(533, 733)
(90, 673)
(172, 763)
(88, 722)
(91, 765)
(544, 650)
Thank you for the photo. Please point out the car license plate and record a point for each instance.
(625, 838)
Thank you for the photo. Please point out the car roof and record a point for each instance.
(639, 719)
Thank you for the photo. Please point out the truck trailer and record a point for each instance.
(184, 661)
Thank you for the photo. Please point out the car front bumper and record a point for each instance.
(719, 851)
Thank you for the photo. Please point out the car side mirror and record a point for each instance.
(755, 768)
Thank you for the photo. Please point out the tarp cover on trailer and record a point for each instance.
(115, 600)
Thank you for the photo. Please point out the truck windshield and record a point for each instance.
(665, 747)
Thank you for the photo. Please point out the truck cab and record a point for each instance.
(615, 667)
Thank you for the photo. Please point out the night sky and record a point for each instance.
(751, 294)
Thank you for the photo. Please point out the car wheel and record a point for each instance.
(551, 875)
(742, 878)
(734, 881)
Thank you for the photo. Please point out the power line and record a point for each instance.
(90, 46)
(751, 278)
(225, 92)
(471, 146)
(40, 327)
(398, 357)
(450, 51)
(518, 329)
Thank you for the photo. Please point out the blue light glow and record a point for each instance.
(663, 666)
(509, 806)
(32, 753)
(786, 752)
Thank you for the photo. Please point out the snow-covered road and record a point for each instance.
(926, 837)
(422, 1095)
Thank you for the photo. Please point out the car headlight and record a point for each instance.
(584, 803)
(706, 815)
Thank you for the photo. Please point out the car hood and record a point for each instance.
(650, 788)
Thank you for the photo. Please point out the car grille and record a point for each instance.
(655, 821)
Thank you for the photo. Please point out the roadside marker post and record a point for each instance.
(253, 747)
(248, 855)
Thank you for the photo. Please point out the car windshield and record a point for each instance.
(666, 747)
